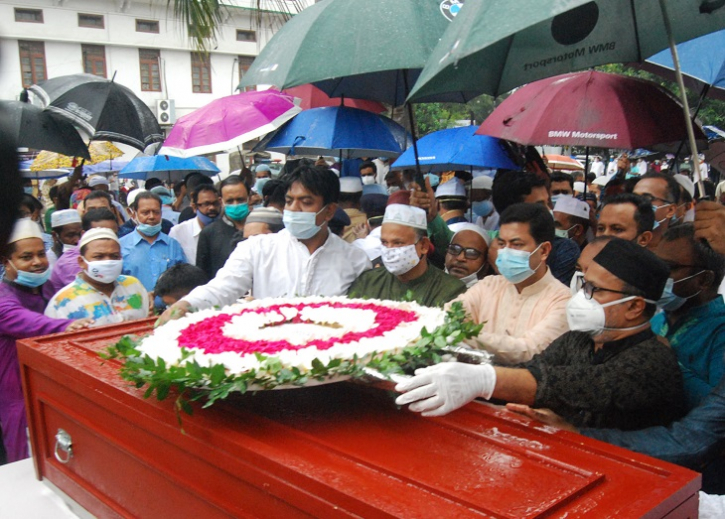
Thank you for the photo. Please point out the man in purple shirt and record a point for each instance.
(21, 316)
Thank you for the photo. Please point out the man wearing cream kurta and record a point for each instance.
(523, 309)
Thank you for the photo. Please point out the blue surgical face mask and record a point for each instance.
(669, 302)
(482, 209)
(654, 210)
(301, 224)
(259, 185)
(434, 179)
(167, 200)
(149, 230)
(28, 190)
(204, 219)
(237, 212)
(31, 279)
(514, 264)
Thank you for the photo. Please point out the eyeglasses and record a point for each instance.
(651, 199)
(590, 289)
(561, 192)
(471, 254)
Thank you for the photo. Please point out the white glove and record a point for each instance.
(440, 389)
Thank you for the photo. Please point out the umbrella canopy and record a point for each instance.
(496, 45)
(26, 172)
(33, 127)
(590, 109)
(562, 162)
(166, 167)
(372, 49)
(105, 168)
(229, 122)
(715, 156)
(456, 149)
(313, 97)
(339, 130)
(102, 108)
(99, 151)
(702, 61)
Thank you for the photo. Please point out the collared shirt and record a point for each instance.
(64, 272)
(698, 339)
(169, 214)
(80, 300)
(517, 326)
(630, 383)
(279, 265)
(187, 234)
(147, 261)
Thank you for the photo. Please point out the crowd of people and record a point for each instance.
(601, 300)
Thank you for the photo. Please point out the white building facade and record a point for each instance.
(137, 41)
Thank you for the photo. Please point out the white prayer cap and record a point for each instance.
(685, 182)
(465, 226)
(482, 182)
(351, 185)
(579, 187)
(97, 233)
(131, 197)
(601, 181)
(572, 206)
(453, 188)
(64, 217)
(98, 180)
(406, 215)
(25, 228)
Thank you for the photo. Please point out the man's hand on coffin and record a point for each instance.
(80, 324)
(175, 311)
(546, 416)
(440, 389)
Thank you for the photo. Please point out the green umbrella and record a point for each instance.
(494, 46)
(365, 49)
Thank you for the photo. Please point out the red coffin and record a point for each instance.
(339, 450)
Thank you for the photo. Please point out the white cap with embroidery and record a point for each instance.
(572, 206)
(351, 185)
(405, 215)
(97, 233)
(453, 188)
(64, 217)
(25, 228)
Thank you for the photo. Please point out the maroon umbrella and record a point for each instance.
(591, 109)
(313, 97)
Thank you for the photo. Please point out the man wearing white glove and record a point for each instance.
(609, 371)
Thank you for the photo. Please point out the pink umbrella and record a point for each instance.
(229, 122)
(313, 97)
(591, 109)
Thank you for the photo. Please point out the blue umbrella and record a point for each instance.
(457, 149)
(166, 167)
(702, 60)
(106, 167)
(338, 130)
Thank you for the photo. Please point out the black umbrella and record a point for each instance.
(102, 108)
(33, 127)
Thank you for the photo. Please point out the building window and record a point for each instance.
(244, 63)
(94, 21)
(32, 62)
(94, 59)
(200, 73)
(246, 35)
(150, 77)
(147, 26)
(28, 15)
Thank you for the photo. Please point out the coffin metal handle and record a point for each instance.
(63, 444)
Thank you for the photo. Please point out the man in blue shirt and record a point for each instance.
(147, 252)
(693, 321)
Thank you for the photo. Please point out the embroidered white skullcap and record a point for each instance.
(482, 182)
(579, 187)
(64, 217)
(131, 197)
(351, 185)
(466, 226)
(97, 233)
(406, 215)
(453, 188)
(98, 180)
(25, 228)
(572, 206)
(685, 182)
